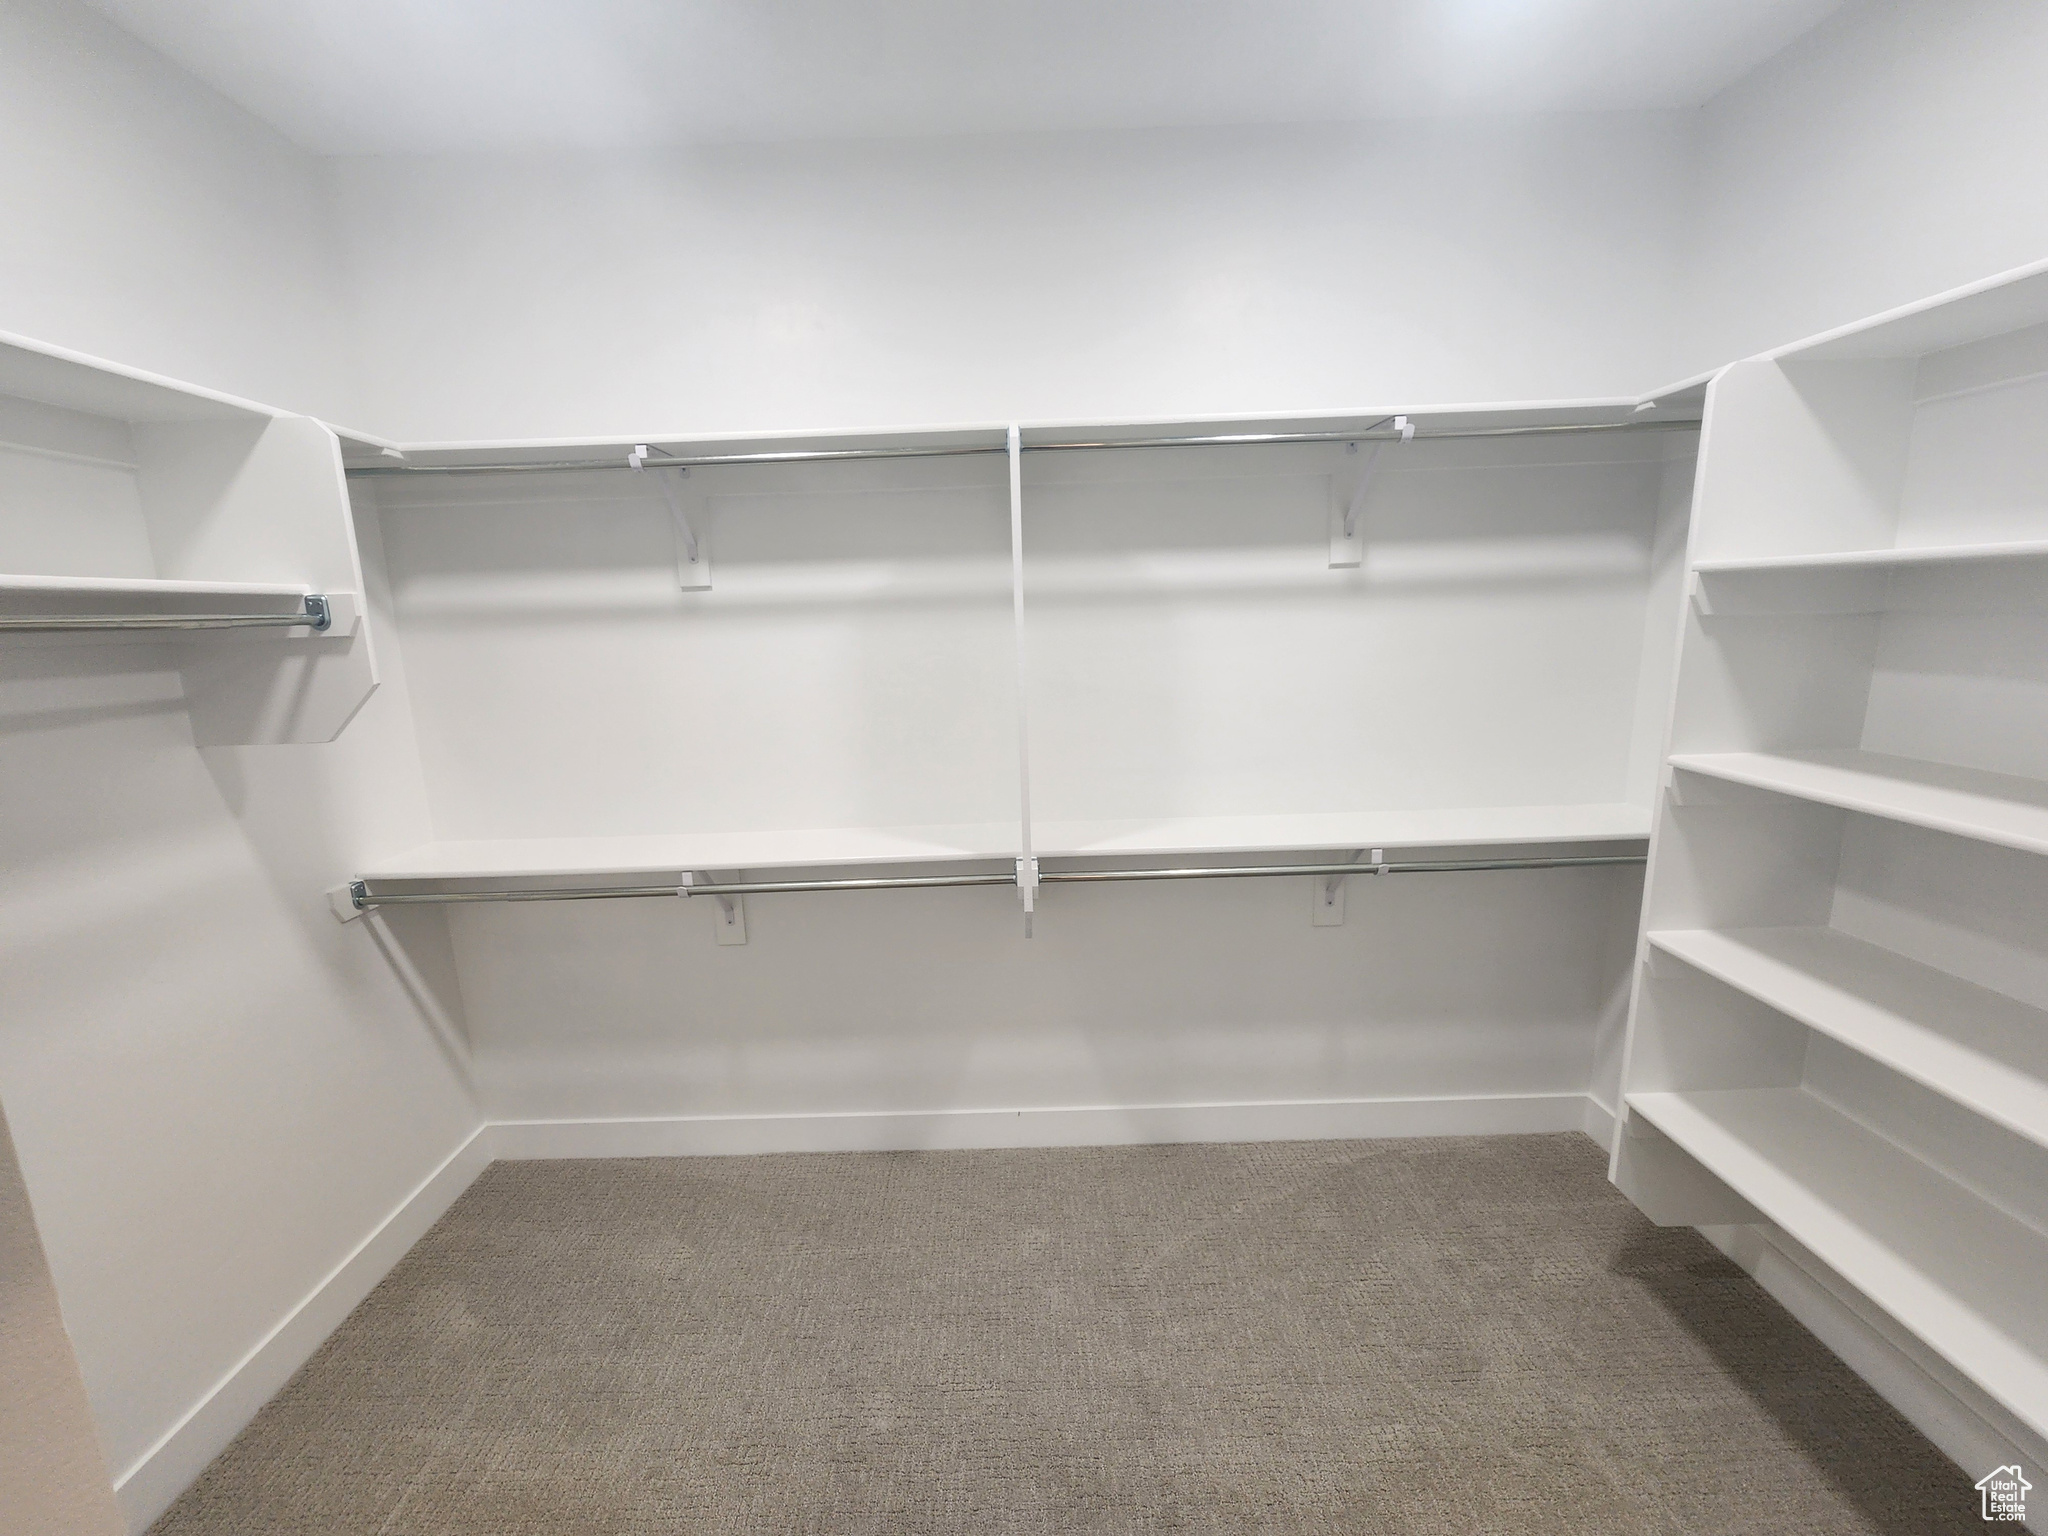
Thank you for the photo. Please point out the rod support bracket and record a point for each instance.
(350, 901)
(693, 562)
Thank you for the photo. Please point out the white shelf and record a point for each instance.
(580, 857)
(1950, 1267)
(143, 587)
(1982, 1049)
(1967, 802)
(1483, 826)
(583, 857)
(1882, 559)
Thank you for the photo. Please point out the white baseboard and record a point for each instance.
(1972, 1431)
(1599, 1122)
(167, 1468)
(1094, 1126)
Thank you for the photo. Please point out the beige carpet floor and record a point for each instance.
(1471, 1335)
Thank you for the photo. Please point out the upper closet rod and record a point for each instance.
(316, 615)
(362, 898)
(959, 450)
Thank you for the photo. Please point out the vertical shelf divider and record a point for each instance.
(1027, 862)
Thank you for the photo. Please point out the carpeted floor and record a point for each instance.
(1473, 1335)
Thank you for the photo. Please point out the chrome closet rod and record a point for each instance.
(316, 615)
(817, 455)
(363, 898)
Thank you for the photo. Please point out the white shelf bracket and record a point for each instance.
(1329, 907)
(693, 561)
(1347, 543)
(731, 924)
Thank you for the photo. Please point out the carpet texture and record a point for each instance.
(1469, 1335)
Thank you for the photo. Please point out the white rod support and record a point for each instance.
(693, 569)
(1027, 864)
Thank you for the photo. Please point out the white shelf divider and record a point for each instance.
(1981, 1049)
(1952, 1268)
(1966, 802)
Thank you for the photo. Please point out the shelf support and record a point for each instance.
(693, 561)
(1347, 547)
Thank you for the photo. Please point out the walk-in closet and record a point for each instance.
(1036, 769)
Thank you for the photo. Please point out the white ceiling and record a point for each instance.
(422, 76)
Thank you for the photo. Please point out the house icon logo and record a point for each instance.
(2005, 1493)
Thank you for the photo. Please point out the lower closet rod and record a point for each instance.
(363, 898)
(316, 615)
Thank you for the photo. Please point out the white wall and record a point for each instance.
(216, 1090)
(51, 1463)
(1898, 150)
(1041, 277)
(150, 221)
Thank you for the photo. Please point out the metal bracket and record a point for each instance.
(1347, 548)
(350, 901)
(693, 561)
(1329, 907)
(731, 925)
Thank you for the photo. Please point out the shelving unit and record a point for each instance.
(138, 510)
(862, 592)
(1839, 1021)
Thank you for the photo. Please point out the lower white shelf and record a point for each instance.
(1959, 1273)
(1193, 837)
(1982, 1049)
(1967, 802)
(1455, 827)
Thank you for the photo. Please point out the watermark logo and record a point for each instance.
(2005, 1493)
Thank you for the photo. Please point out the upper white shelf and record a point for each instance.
(1980, 1048)
(2009, 301)
(1882, 559)
(1968, 802)
(1951, 1267)
(1971, 578)
(1482, 826)
(50, 375)
(578, 857)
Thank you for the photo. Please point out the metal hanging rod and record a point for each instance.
(822, 455)
(316, 615)
(364, 899)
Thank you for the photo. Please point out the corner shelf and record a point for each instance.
(1952, 1268)
(152, 505)
(1966, 802)
(1979, 1048)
